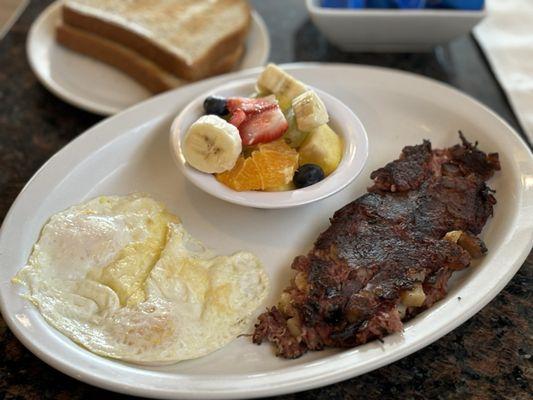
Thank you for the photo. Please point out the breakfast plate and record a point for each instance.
(130, 153)
(95, 86)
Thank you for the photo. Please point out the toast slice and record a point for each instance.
(183, 37)
(144, 71)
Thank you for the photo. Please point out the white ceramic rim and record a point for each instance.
(355, 154)
(76, 100)
(319, 373)
(313, 7)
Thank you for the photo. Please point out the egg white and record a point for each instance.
(121, 277)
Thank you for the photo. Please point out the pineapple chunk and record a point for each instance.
(322, 147)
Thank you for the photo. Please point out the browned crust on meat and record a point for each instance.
(352, 286)
(198, 69)
(406, 173)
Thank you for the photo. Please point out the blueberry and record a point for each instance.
(216, 105)
(307, 175)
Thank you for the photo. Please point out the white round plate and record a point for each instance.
(342, 120)
(95, 86)
(130, 152)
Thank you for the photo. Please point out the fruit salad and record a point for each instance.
(275, 140)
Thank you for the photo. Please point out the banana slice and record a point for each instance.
(310, 111)
(293, 136)
(274, 80)
(212, 145)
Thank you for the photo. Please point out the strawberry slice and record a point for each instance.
(237, 117)
(263, 127)
(251, 106)
(259, 120)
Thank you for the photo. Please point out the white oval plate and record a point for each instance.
(94, 86)
(342, 120)
(130, 152)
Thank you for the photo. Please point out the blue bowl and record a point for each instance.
(407, 4)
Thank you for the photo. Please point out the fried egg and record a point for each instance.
(121, 276)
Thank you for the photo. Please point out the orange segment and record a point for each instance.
(277, 168)
(271, 166)
(277, 145)
(249, 177)
(226, 177)
(243, 176)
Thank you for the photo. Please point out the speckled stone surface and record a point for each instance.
(488, 357)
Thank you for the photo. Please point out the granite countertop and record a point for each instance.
(488, 357)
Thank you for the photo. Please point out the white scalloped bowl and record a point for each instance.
(342, 120)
